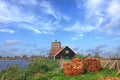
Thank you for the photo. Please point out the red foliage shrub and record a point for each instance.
(74, 67)
(92, 64)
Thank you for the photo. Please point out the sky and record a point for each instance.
(27, 27)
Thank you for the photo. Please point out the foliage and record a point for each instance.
(96, 55)
(81, 56)
(47, 69)
(88, 55)
(0, 74)
(34, 58)
(12, 73)
(24, 56)
(42, 66)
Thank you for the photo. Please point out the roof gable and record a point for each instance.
(59, 50)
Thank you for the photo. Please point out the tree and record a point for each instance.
(33, 56)
(89, 55)
(1, 57)
(24, 57)
(96, 55)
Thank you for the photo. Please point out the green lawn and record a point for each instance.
(59, 75)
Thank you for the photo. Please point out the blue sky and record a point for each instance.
(88, 26)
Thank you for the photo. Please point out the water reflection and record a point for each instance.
(7, 63)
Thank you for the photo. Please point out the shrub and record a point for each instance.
(12, 73)
(43, 66)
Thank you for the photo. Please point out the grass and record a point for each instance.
(59, 75)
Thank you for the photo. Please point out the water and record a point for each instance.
(7, 63)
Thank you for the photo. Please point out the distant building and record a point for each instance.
(58, 52)
(55, 46)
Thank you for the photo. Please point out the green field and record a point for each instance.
(46, 69)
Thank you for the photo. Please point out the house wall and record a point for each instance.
(64, 55)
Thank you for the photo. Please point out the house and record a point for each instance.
(58, 52)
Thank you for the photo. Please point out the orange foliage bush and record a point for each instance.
(77, 66)
(74, 67)
(92, 64)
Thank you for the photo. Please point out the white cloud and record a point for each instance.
(7, 30)
(28, 2)
(65, 17)
(41, 27)
(47, 8)
(93, 8)
(79, 28)
(93, 17)
(114, 8)
(42, 23)
(11, 42)
(104, 14)
(28, 27)
(112, 24)
(11, 12)
(113, 11)
(78, 36)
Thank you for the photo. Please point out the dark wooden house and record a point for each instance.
(59, 52)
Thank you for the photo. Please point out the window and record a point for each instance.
(66, 52)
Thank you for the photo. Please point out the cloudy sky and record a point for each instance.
(29, 26)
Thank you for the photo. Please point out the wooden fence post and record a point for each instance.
(106, 64)
(113, 64)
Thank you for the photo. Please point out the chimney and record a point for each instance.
(55, 46)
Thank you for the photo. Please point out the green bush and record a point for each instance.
(43, 66)
(12, 73)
